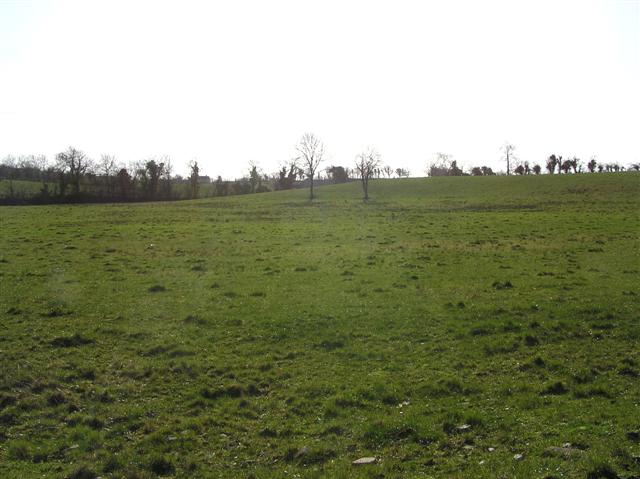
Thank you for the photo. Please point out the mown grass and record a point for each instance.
(443, 327)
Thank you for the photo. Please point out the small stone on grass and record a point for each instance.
(364, 460)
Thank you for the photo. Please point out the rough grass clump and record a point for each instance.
(70, 341)
(19, 450)
(330, 345)
(602, 471)
(502, 285)
(82, 472)
(556, 388)
(446, 387)
(112, 464)
(56, 398)
(234, 390)
(309, 456)
(56, 312)
(596, 391)
(161, 466)
(381, 433)
(196, 320)
(7, 400)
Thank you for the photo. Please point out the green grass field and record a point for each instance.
(444, 328)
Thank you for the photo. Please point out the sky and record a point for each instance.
(227, 83)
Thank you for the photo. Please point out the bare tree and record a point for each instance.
(167, 178)
(40, 163)
(440, 165)
(255, 177)
(367, 163)
(75, 164)
(107, 165)
(591, 166)
(387, 170)
(9, 161)
(508, 155)
(193, 178)
(138, 173)
(108, 168)
(311, 151)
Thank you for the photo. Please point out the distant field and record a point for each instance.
(22, 188)
(28, 189)
(445, 328)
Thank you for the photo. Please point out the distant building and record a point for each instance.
(204, 179)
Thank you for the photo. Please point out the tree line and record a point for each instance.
(445, 165)
(74, 177)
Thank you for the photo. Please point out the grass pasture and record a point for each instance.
(450, 327)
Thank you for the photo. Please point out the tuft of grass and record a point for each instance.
(82, 472)
(161, 466)
(555, 388)
(381, 433)
(19, 450)
(57, 398)
(602, 471)
(502, 285)
(70, 341)
(193, 319)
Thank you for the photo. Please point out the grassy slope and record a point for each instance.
(294, 337)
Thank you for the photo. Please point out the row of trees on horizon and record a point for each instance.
(74, 177)
(445, 165)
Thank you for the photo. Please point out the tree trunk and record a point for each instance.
(311, 188)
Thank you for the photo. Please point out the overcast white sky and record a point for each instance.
(229, 82)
